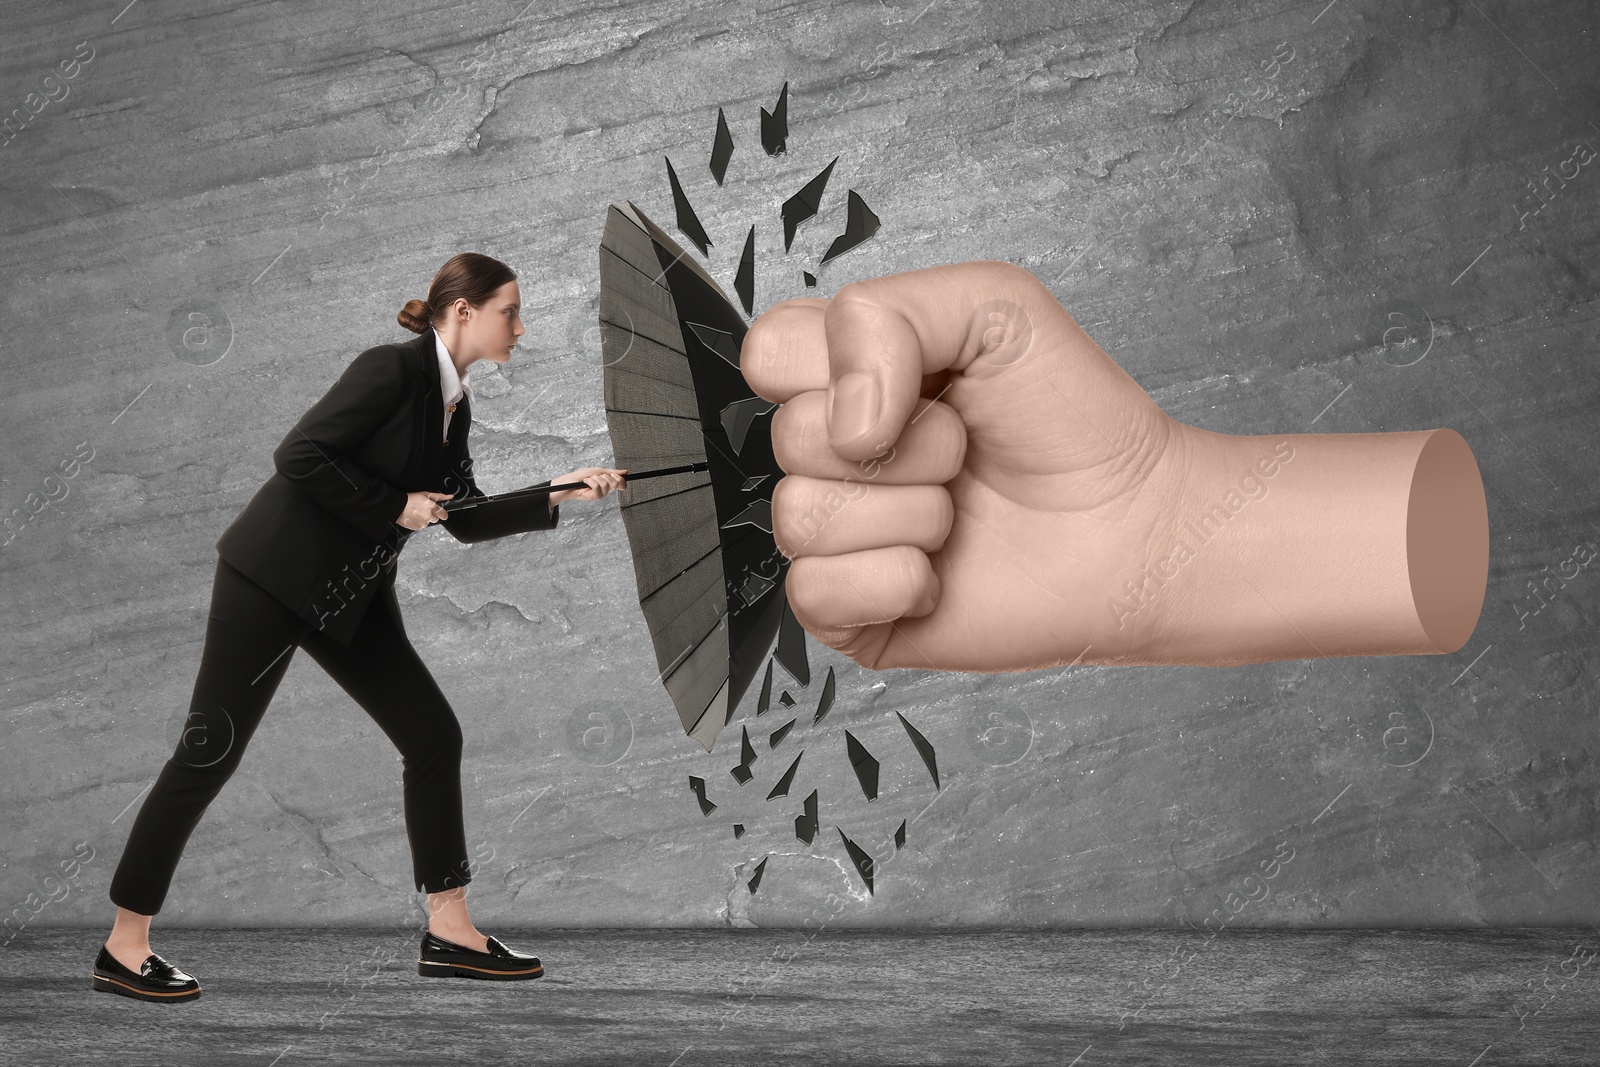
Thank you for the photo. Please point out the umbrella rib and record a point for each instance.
(686, 653)
(640, 333)
(656, 281)
(680, 574)
(636, 373)
(663, 496)
(656, 414)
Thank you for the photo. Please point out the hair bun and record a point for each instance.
(416, 316)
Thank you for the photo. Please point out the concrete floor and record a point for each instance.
(678, 998)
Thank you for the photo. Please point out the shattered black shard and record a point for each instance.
(757, 513)
(744, 282)
(737, 417)
(755, 879)
(755, 586)
(804, 204)
(860, 224)
(865, 763)
(719, 341)
(688, 221)
(791, 651)
(923, 748)
(721, 148)
(811, 279)
(738, 830)
(698, 785)
(780, 733)
(747, 756)
(900, 836)
(826, 700)
(782, 788)
(749, 484)
(785, 699)
(765, 700)
(862, 861)
(805, 826)
(775, 124)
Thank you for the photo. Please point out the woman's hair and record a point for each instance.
(469, 275)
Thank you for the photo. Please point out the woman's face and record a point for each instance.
(491, 331)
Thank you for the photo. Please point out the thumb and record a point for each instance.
(884, 335)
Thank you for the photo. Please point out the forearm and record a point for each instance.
(1353, 545)
(503, 518)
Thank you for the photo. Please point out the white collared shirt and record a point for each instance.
(451, 386)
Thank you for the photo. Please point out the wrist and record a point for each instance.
(1300, 546)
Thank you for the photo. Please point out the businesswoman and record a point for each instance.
(310, 563)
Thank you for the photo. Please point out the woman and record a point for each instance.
(310, 563)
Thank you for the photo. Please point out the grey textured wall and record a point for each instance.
(1278, 216)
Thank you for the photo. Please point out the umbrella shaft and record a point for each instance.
(540, 490)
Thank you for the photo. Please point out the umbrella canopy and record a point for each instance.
(709, 575)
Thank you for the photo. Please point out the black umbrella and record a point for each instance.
(709, 575)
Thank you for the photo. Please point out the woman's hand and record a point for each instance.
(601, 480)
(421, 509)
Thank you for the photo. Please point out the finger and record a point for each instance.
(823, 517)
(930, 449)
(785, 350)
(860, 588)
(884, 335)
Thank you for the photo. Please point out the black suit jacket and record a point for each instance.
(320, 535)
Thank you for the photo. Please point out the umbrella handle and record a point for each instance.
(541, 490)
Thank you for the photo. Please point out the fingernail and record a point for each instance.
(853, 406)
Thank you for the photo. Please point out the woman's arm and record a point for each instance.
(500, 519)
(312, 454)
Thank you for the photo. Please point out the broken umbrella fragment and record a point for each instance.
(782, 788)
(744, 282)
(860, 224)
(688, 221)
(775, 124)
(858, 858)
(721, 148)
(765, 700)
(825, 701)
(805, 826)
(865, 763)
(791, 650)
(775, 738)
(924, 749)
(697, 786)
(747, 755)
(802, 205)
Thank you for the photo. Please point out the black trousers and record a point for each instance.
(250, 639)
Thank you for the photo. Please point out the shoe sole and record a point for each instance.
(432, 969)
(112, 985)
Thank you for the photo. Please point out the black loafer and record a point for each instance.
(156, 980)
(439, 958)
